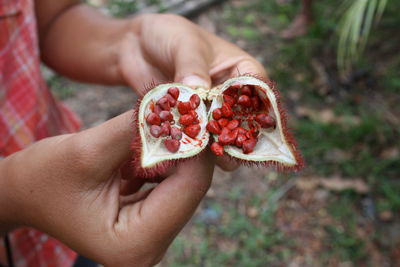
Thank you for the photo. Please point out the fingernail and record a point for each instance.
(195, 81)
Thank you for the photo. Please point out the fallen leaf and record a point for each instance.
(386, 215)
(390, 153)
(334, 183)
(307, 183)
(326, 116)
(340, 184)
(252, 212)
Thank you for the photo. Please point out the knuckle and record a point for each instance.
(172, 18)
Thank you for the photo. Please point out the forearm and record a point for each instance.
(7, 208)
(83, 44)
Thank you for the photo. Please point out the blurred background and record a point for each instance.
(338, 69)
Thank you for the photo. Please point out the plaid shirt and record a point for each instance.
(28, 112)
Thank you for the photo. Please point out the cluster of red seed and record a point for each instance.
(160, 119)
(239, 119)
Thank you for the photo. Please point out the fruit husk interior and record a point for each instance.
(292, 163)
(160, 167)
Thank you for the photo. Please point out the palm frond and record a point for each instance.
(354, 29)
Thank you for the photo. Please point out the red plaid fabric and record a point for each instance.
(28, 112)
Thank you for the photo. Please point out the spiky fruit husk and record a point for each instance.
(275, 146)
(288, 157)
(151, 158)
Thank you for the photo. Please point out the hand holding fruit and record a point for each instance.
(79, 188)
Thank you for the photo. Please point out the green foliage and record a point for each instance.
(249, 241)
(359, 140)
(342, 239)
(248, 33)
(345, 244)
(61, 87)
(355, 27)
(122, 8)
(390, 196)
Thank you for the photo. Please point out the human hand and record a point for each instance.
(71, 187)
(167, 47)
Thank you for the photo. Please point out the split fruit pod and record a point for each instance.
(245, 120)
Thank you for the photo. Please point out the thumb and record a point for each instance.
(192, 59)
(109, 142)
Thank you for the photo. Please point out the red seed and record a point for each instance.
(233, 124)
(194, 114)
(226, 110)
(223, 122)
(227, 138)
(166, 116)
(230, 100)
(248, 146)
(184, 107)
(232, 91)
(213, 127)
(241, 130)
(174, 91)
(266, 121)
(153, 119)
(155, 131)
(172, 145)
(225, 131)
(244, 101)
(236, 131)
(247, 90)
(217, 149)
(236, 85)
(250, 123)
(253, 132)
(176, 133)
(194, 101)
(166, 128)
(171, 99)
(164, 103)
(224, 139)
(233, 135)
(249, 134)
(217, 114)
(240, 139)
(157, 109)
(267, 103)
(255, 101)
(192, 130)
(186, 119)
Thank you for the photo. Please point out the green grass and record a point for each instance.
(389, 197)
(344, 244)
(122, 8)
(255, 241)
(360, 141)
(343, 241)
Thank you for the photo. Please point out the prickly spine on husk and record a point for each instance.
(287, 134)
(163, 166)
